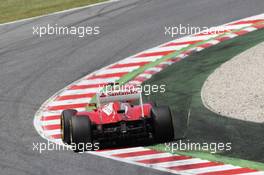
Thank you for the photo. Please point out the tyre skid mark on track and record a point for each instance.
(47, 119)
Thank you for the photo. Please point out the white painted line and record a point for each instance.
(59, 12)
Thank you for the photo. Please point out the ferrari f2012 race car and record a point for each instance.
(117, 116)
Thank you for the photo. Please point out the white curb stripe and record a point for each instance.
(70, 102)
(125, 150)
(52, 132)
(117, 70)
(210, 169)
(97, 81)
(169, 48)
(151, 156)
(80, 91)
(50, 122)
(140, 59)
(181, 162)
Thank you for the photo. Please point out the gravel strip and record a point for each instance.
(236, 89)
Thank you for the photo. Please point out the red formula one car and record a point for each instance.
(117, 117)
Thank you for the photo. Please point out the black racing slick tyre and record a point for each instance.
(65, 125)
(162, 123)
(81, 133)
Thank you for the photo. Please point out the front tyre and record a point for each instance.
(162, 123)
(65, 125)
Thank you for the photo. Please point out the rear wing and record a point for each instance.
(127, 94)
(122, 96)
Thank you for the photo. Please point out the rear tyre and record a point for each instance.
(81, 133)
(162, 123)
(65, 125)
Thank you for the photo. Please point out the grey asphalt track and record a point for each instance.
(32, 69)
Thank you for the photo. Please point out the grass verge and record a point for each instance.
(12, 10)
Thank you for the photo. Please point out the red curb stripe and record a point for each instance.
(221, 39)
(259, 26)
(162, 66)
(51, 127)
(229, 172)
(182, 43)
(164, 159)
(54, 117)
(194, 166)
(241, 32)
(247, 22)
(206, 45)
(140, 79)
(156, 54)
(108, 75)
(212, 33)
(188, 52)
(151, 72)
(56, 136)
(76, 87)
(174, 60)
(71, 106)
(129, 64)
(135, 154)
(72, 97)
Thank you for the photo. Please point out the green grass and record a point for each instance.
(11, 10)
(184, 81)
